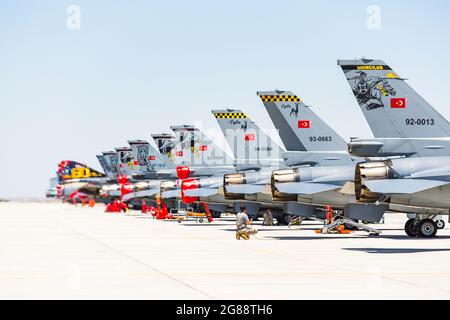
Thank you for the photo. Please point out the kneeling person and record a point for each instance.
(243, 225)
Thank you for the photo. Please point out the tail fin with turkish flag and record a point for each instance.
(300, 128)
(147, 157)
(249, 144)
(196, 148)
(304, 124)
(389, 103)
(399, 103)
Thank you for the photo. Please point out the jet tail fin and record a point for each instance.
(148, 159)
(69, 170)
(105, 166)
(195, 148)
(250, 145)
(112, 160)
(392, 108)
(165, 143)
(300, 128)
(126, 161)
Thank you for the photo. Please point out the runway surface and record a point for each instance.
(57, 251)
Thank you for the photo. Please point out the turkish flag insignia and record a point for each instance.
(203, 148)
(179, 154)
(152, 158)
(249, 137)
(399, 103)
(304, 124)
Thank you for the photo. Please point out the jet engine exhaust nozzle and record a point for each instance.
(283, 176)
(366, 171)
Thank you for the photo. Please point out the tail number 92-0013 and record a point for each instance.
(419, 122)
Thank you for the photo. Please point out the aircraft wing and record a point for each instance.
(201, 192)
(114, 193)
(402, 185)
(245, 188)
(148, 193)
(305, 187)
(170, 194)
(128, 196)
(141, 194)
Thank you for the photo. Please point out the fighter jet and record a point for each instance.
(261, 155)
(150, 166)
(74, 177)
(119, 166)
(147, 172)
(255, 156)
(318, 168)
(51, 191)
(418, 180)
(321, 170)
(194, 156)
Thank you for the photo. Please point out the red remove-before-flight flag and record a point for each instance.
(304, 124)
(398, 103)
(249, 137)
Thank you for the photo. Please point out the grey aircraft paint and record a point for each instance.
(250, 145)
(308, 139)
(391, 106)
(401, 120)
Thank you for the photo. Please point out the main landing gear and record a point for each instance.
(423, 228)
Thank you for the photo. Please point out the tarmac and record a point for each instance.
(58, 251)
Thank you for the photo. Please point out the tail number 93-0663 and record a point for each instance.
(320, 138)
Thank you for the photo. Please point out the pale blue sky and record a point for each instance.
(136, 67)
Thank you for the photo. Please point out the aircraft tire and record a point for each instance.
(285, 219)
(427, 228)
(440, 224)
(215, 214)
(411, 228)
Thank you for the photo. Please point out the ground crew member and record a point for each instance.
(243, 225)
(116, 206)
(143, 207)
(268, 218)
(113, 206)
(91, 202)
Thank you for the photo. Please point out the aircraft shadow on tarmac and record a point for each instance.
(315, 238)
(360, 237)
(276, 229)
(205, 225)
(394, 250)
(381, 229)
(405, 237)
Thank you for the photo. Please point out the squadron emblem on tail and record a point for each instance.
(369, 90)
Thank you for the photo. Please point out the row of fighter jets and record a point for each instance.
(405, 168)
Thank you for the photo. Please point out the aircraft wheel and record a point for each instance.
(411, 228)
(285, 219)
(440, 224)
(215, 214)
(427, 228)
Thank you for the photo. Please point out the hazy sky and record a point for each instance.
(136, 67)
